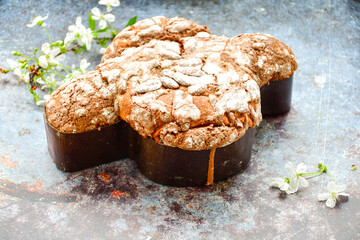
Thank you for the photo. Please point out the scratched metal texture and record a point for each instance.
(114, 201)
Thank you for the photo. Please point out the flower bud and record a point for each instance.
(15, 53)
(322, 167)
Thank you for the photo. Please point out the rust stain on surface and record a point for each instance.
(104, 176)
(37, 187)
(99, 183)
(118, 194)
(33, 193)
(7, 162)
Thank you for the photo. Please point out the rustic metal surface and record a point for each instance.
(37, 201)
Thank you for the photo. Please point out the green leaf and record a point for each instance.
(113, 34)
(80, 50)
(83, 48)
(102, 30)
(91, 22)
(103, 44)
(132, 21)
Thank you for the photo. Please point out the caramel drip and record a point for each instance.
(210, 176)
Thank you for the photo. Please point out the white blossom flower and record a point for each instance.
(296, 179)
(109, 4)
(78, 28)
(51, 55)
(25, 77)
(83, 65)
(46, 97)
(103, 18)
(16, 66)
(335, 190)
(86, 39)
(280, 183)
(85, 34)
(37, 21)
(102, 50)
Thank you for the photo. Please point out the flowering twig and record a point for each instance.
(333, 194)
(45, 69)
(291, 185)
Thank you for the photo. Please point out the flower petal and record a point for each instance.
(44, 18)
(30, 25)
(294, 183)
(114, 3)
(45, 47)
(344, 194)
(18, 72)
(102, 50)
(331, 187)
(60, 58)
(96, 13)
(109, 17)
(13, 64)
(290, 168)
(43, 62)
(84, 64)
(340, 187)
(69, 37)
(78, 21)
(276, 182)
(303, 182)
(26, 77)
(40, 102)
(284, 186)
(54, 51)
(301, 168)
(323, 196)
(330, 202)
(46, 97)
(102, 24)
(290, 190)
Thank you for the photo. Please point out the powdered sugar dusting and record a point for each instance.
(184, 109)
(174, 82)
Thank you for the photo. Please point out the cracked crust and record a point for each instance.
(175, 83)
(82, 104)
(148, 29)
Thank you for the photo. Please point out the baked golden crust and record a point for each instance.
(152, 28)
(82, 104)
(175, 83)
